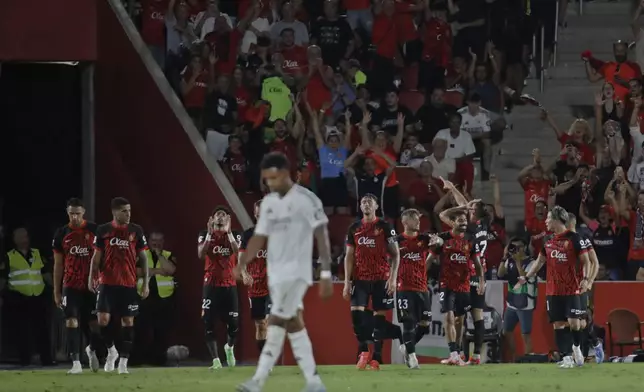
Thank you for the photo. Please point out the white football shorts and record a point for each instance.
(287, 298)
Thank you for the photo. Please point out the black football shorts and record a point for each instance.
(413, 306)
(119, 300)
(454, 301)
(219, 302)
(79, 304)
(260, 307)
(563, 307)
(363, 290)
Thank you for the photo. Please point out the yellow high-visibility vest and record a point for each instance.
(165, 284)
(24, 278)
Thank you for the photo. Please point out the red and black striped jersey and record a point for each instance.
(412, 272)
(564, 270)
(370, 241)
(256, 268)
(220, 259)
(76, 245)
(456, 257)
(121, 245)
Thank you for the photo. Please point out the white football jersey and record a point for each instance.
(289, 222)
(475, 125)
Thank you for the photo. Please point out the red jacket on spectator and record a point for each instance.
(226, 47)
(384, 36)
(405, 27)
(533, 191)
(153, 21)
(243, 98)
(317, 93)
(586, 153)
(425, 194)
(537, 231)
(437, 42)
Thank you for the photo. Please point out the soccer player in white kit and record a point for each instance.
(289, 218)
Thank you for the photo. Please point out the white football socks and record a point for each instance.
(303, 352)
(272, 350)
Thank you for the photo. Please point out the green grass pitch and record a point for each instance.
(488, 378)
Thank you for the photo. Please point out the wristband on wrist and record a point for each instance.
(325, 275)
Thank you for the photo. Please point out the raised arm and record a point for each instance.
(545, 116)
(398, 139)
(496, 190)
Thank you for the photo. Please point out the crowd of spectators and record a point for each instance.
(350, 90)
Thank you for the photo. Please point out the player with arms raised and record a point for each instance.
(413, 300)
(73, 249)
(119, 244)
(260, 301)
(478, 227)
(371, 260)
(290, 216)
(455, 251)
(568, 266)
(218, 247)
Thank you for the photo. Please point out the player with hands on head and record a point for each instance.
(455, 251)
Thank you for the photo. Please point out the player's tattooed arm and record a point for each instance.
(588, 268)
(143, 265)
(536, 266)
(321, 235)
(594, 266)
(58, 276)
(394, 257)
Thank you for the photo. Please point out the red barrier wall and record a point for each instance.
(46, 30)
(143, 153)
(329, 323)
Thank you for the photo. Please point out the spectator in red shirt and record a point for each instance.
(535, 184)
(437, 49)
(384, 38)
(617, 72)
(235, 164)
(242, 94)
(295, 58)
(320, 80)
(424, 192)
(195, 85)
(152, 28)
(579, 133)
(407, 32)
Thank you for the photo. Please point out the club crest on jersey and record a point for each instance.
(420, 244)
(87, 236)
(131, 237)
(377, 231)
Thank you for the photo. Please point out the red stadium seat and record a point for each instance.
(412, 100)
(454, 98)
(406, 175)
(410, 78)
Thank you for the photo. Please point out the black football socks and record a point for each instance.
(73, 343)
(360, 330)
(128, 340)
(479, 332)
(211, 344)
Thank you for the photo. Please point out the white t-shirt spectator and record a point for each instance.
(299, 28)
(457, 147)
(209, 24)
(407, 157)
(638, 139)
(636, 175)
(475, 125)
(443, 168)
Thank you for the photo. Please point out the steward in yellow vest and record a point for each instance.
(23, 272)
(162, 277)
(157, 310)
